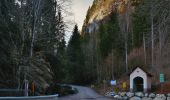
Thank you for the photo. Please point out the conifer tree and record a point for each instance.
(75, 58)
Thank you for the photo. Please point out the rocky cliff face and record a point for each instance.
(104, 42)
(99, 11)
(95, 13)
(122, 34)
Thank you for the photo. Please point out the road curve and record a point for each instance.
(84, 93)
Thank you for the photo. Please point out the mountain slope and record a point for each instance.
(122, 34)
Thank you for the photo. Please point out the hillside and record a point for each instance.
(99, 10)
(122, 34)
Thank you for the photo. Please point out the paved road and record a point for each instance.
(84, 93)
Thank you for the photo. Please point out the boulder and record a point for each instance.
(146, 98)
(152, 95)
(146, 94)
(107, 94)
(135, 98)
(139, 94)
(168, 94)
(168, 98)
(125, 98)
(118, 97)
(130, 94)
(122, 94)
(160, 97)
(110, 94)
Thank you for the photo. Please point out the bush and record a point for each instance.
(62, 90)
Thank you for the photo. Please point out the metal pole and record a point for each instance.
(26, 88)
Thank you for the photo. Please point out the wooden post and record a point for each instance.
(104, 85)
(162, 88)
(33, 88)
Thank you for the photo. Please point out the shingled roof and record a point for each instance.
(148, 74)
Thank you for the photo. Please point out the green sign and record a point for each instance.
(161, 78)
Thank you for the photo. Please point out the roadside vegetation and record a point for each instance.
(117, 36)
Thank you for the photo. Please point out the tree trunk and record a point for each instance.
(112, 72)
(35, 18)
(144, 47)
(152, 39)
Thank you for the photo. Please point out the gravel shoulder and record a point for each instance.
(84, 93)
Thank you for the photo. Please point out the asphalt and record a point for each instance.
(84, 93)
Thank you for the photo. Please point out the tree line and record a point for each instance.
(32, 42)
(134, 34)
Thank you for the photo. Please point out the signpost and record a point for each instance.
(124, 85)
(104, 85)
(113, 82)
(162, 80)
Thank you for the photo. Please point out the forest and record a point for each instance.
(32, 43)
(33, 47)
(119, 35)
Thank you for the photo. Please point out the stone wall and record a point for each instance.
(138, 96)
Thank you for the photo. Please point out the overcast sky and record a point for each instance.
(79, 10)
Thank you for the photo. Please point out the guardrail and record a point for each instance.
(11, 92)
(48, 97)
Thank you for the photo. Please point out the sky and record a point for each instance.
(78, 9)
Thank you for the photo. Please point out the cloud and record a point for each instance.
(79, 8)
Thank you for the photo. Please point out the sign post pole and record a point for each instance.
(162, 80)
(104, 85)
(26, 88)
(113, 83)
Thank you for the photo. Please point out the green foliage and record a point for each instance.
(90, 12)
(136, 2)
(62, 90)
(75, 68)
(56, 67)
(110, 37)
(140, 26)
(105, 46)
(135, 62)
(16, 31)
(7, 59)
(88, 15)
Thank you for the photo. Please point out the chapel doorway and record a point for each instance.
(138, 84)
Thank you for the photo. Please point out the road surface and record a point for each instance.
(84, 93)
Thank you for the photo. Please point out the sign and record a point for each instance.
(113, 82)
(124, 85)
(161, 78)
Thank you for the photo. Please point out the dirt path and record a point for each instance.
(84, 93)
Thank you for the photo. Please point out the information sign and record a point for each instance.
(113, 82)
(161, 78)
(124, 85)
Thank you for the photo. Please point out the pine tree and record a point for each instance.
(75, 58)
(30, 31)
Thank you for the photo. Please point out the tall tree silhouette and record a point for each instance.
(75, 58)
